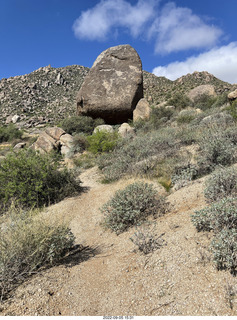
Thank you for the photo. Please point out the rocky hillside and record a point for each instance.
(43, 96)
(159, 89)
(49, 94)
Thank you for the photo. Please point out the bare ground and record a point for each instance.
(109, 277)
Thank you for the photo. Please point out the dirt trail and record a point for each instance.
(108, 277)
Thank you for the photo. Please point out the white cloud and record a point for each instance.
(97, 23)
(177, 29)
(221, 62)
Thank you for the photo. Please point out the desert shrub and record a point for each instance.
(183, 175)
(219, 215)
(79, 124)
(80, 143)
(9, 133)
(147, 240)
(221, 184)
(138, 155)
(86, 160)
(220, 100)
(231, 134)
(216, 149)
(204, 102)
(160, 115)
(131, 206)
(188, 134)
(179, 100)
(34, 180)
(141, 125)
(224, 249)
(232, 109)
(185, 116)
(102, 141)
(28, 242)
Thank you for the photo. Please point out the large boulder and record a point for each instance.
(205, 89)
(113, 87)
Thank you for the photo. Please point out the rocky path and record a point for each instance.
(109, 277)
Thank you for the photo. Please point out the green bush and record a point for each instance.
(80, 143)
(32, 179)
(232, 109)
(216, 149)
(204, 102)
(221, 184)
(186, 116)
(160, 115)
(139, 155)
(102, 141)
(221, 218)
(179, 100)
(9, 133)
(85, 160)
(131, 206)
(80, 124)
(224, 249)
(188, 134)
(183, 175)
(28, 242)
(220, 100)
(219, 215)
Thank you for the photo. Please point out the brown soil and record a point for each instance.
(109, 277)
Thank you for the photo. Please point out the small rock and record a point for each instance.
(15, 118)
(232, 95)
(125, 130)
(20, 145)
(104, 127)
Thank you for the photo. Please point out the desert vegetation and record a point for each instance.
(29, 242)
(182, 141)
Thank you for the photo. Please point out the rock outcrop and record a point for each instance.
(44, 96)
(113, 87)
(199, 91)
(54, 138)
(232, 95)
(142, 110)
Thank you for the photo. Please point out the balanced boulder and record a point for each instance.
(113, 87)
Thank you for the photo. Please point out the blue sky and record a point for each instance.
(173, 38)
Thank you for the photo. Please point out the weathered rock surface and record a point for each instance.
(55, 132)
(113, 87)
(104, 127)
(142, 110)
(45, 95)
(54, 138)
(126, 130)
(232, 95)
(206, 89)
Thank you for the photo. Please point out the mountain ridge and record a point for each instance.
(47, 95)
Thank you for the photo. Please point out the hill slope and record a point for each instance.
(49, 94)
(109, 278)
